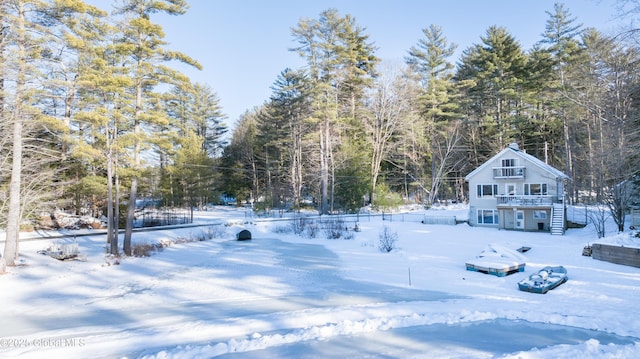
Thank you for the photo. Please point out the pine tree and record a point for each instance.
(193, 110)
(143, 52)
(560, 39)
(289, 105)
(494, 103)
(340, 65)
(192, 171)
(429, 60)
(28, 50)
(239, 161)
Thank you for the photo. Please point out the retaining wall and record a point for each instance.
(616, 254)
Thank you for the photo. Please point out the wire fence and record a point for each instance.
(156, 217)
(351, 219)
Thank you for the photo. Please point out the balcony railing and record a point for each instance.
(509, 172)
(513, 200)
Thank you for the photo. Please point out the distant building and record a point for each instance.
(514, 190)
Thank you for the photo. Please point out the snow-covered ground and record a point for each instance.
(280, 295)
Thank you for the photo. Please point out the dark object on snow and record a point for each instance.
(244, 235)
(546, 279)
(587, 251)
(523, 249)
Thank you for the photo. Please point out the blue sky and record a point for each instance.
(243, 44)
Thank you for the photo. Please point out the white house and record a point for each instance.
(514, 190)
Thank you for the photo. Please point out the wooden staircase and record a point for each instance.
(557, 219)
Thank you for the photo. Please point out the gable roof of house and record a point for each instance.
(513, 148)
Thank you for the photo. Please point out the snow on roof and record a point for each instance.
(513, 148)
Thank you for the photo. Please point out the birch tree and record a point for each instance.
(390, 110)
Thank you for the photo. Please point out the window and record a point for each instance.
(535, 189)
(487, 190)
(510, 168)
(487, 216)
(540, 214)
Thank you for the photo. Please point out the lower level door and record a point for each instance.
(519, 219)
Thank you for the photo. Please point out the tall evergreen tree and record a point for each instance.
(28, 29)
(281, 128)
(239, 161)
(191, 109)
(429, 59)
(497, 68)
(289, 102)
(209, 119)
(340, 64)
(560, 39)
(143, 52)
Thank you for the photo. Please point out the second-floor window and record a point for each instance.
(535, 189)
(510, 168)
(487, 190)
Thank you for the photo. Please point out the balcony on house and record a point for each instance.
(526, 201)
(510, 172)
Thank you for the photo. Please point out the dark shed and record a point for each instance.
(243, 235)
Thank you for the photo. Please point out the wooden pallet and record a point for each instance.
(497, 271)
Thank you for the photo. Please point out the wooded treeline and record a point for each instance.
(94, 116)
(347, 131)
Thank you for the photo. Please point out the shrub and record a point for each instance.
(216, 231)
(283, 229)
(385, 199)
(145, 249)
(311, 229)
(334, 228)
(305, 227)
(387, 240)
(299, 224)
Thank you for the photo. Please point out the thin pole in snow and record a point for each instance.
(409, 276)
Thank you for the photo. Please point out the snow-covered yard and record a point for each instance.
(280, 295)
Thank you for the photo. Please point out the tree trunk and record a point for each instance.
(112, 236)
(14, 214)
(131, 210)
(133, 193)
(324, 169)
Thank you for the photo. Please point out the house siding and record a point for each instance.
(533, 209)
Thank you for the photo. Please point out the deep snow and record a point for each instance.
(280, 295)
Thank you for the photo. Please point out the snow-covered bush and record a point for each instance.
(387, 240)
(145, 249)
(598, 216)
(303, 226)
(299, 224)
(335, 229)
(213, 232)
(283, 229)
(311, 229)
